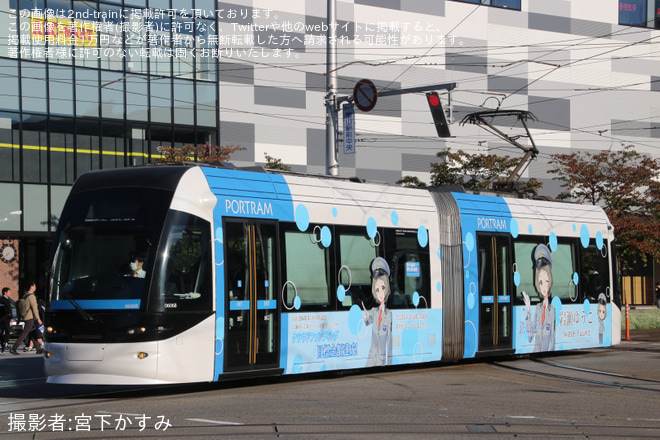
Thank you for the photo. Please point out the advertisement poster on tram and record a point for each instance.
(338, 340)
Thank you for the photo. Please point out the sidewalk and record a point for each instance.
(651, 335)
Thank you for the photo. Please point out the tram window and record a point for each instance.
(356, 252)
(594, 272)
(305, 265)
(409, 267)
(525, 267)
(103, 228)
(564, 265)
(493, 264)
(184, 275)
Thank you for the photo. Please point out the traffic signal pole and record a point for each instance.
(332, 101)
(331, 109)
(429, 88)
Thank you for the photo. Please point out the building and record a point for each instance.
(91, 85)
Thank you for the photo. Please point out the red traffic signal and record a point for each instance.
(438, 114)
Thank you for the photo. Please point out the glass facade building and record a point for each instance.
(92, 85)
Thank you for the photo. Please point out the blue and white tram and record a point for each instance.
(255, 273)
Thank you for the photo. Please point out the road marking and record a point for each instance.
(215, 422)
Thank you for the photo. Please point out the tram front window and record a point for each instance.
(183, 276)
(104, 232)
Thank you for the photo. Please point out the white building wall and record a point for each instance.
(588, 80)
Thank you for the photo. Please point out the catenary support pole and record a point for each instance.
(331, 117)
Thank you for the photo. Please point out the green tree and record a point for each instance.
(624, 183)
(411, 182)
(206, 153)
(275, 164)
(477, 172)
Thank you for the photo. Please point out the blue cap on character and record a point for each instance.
(380, 267)
(542, 255)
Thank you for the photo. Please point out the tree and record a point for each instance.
(201, 153)
(476, 172)
(624, 183)
(411, 182)
(275, 164)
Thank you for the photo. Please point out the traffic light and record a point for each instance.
(439, 118)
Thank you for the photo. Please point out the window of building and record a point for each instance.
(9, 82)
(11, 206)
(61, 161)
(644, 13)
(87, 145)
(35, 208)
(87, 92)
(35, 148)
(508, 4)
(10, 158)
(60, 89)
(113, 144)
(33, 87)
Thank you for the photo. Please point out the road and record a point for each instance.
(600, 393)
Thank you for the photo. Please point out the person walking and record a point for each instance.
(5, 318)
(30, 312)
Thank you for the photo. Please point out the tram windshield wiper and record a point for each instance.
(82, 312)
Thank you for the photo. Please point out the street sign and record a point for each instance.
(349, 128)
(365, 95)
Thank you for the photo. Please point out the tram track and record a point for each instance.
(73, 400)
(330, 430)
(585, 375)
(600, 372)
(85, 396)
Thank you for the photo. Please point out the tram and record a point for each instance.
(248, 273)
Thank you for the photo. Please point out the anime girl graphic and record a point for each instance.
(380, 318)
(541, 329)
(602, 314)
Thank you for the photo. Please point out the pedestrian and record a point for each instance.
(5, 318)
(657, 295)
(30, 313)
(36, 334)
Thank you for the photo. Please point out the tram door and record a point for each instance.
(495, 287)
(252, 317)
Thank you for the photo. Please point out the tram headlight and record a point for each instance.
(132, 331)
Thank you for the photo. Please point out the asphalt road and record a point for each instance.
(599, 393)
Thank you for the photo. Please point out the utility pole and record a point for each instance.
(332, 101)
(331, 116)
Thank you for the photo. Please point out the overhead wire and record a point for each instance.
(304, 69)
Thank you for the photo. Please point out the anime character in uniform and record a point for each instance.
(602, 314)
(541, 329)
(379, 317)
